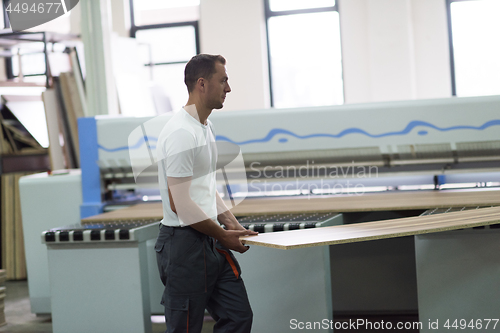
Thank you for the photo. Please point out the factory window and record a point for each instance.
(474, 49)
(4, 19)
(304, 50)
(167, 32)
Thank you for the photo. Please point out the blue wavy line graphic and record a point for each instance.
(278, 131)
(415, 123)
(137, 145)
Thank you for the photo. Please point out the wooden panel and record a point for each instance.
(65, 128)
(342, 204)
(376, 230)
(13, 256)
(370, 202)
(52, 112)
(7, 211)
(139, 212)
(73, 108)
(20, 272)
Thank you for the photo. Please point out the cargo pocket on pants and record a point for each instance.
(177, 312)
(161, 261)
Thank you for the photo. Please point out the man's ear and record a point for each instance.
(201, 83)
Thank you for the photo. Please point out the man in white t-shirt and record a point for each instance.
(193, 251)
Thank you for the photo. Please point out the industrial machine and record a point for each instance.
(404, 145)
(119, 301)
(442, 144)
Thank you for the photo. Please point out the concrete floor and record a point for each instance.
(20, 319)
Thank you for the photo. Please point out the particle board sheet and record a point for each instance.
(73, 107)
(367, 231)
(139, 212)
(370, 202)
(342, 204)
(66, 126)
(52, 112)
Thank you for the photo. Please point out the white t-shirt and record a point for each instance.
(187, 148)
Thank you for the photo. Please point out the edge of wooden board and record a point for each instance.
(249, 240)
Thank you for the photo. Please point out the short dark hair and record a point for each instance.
(201, 65)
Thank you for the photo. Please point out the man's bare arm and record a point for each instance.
(225, 216)
(191, 214)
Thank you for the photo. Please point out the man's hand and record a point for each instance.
(229, 221)
(231, 239)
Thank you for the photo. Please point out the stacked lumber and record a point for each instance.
(360, 232)
(140, 212)
(64, 103)
(21, 154)
(73, 105)
(342, 204)
(394, 200)
(61, 123)
(13, 255)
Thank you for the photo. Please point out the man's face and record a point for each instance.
(217, 87)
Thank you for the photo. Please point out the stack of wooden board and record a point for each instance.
(359, 232)
(2, 297)
(21, 154)
(386, 201)
(13, 257)
(136, 213)
(64, 103)
(341, 204)
(63, 106)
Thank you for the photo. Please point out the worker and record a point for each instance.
(193, 250)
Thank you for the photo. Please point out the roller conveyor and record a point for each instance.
(101, 232)
(283, 222)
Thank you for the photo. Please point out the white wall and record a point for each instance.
(394, 50)
(236, 29)
(120, 17)
(432, 53)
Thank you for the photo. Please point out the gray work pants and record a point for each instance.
(200, 274)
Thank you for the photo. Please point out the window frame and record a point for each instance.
(8, 60)
(134, 28)
(269, 13)
(450, 42)
(6, 21)
(450, 46)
